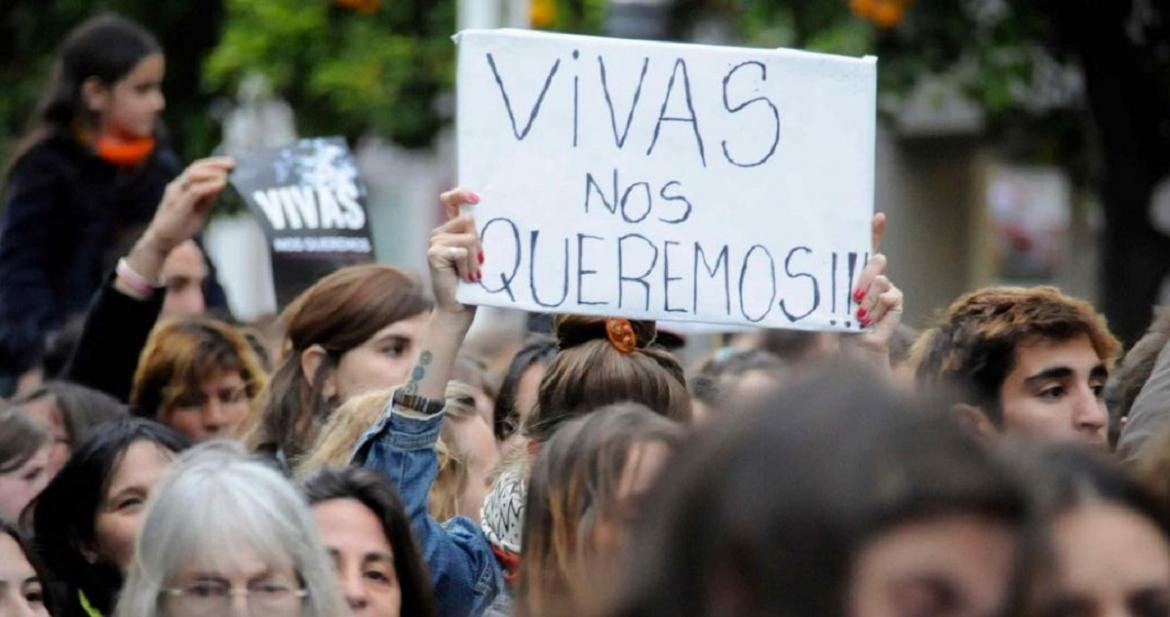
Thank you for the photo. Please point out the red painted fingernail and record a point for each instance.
(479, 276)
(861, 312)
(858, 295)
(472, 198)
(864, 322)
(481, 257)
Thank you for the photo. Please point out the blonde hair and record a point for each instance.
(339, 436)
(335, 443)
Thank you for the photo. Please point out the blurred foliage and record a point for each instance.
(381, 70)
(353, 67)
(31, 30)
(1001, 55)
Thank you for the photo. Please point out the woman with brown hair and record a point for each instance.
(353, 331)
(198, 376)
(583, 487)
(606, 360)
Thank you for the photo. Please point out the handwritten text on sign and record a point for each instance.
(667, 181)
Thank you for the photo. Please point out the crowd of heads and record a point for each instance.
(358, 455)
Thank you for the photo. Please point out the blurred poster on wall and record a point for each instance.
(1029, 208)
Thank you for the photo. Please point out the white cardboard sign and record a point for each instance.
(667, 181)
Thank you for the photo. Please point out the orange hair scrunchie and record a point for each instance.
(621, 334)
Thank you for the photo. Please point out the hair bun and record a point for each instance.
(574, 330)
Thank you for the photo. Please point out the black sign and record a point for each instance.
(312, 206)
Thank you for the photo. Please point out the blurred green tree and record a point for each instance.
(349, 67)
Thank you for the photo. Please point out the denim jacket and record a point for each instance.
(464, 570)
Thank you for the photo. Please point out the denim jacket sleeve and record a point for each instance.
(464, 570)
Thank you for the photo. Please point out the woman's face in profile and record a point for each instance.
(950, 566)
(1110, 561)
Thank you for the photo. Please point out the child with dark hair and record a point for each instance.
(1031, 361)
(83, 183)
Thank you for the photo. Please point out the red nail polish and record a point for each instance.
(479, 276)
(472, 198)
(481, 257)
(858, 295)
(861, 312)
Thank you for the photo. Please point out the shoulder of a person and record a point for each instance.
(56, 156)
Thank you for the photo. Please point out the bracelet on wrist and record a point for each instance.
(133, 280)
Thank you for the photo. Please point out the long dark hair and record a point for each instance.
(48, 591)
(379, 497)
(107, 47)
(765, 516)
(66, 510)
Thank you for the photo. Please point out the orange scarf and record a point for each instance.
(123, 151)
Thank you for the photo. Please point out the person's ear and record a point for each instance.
(88, 553)
(311, 361)
(972, 419)
(95, 95)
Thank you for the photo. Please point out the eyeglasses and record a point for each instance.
(214, 597)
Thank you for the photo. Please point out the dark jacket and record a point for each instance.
(67, 217)
(114, 335)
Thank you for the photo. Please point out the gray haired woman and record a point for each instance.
(225, 535)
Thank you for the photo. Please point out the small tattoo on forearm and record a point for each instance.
(411, 388)
(425, 358)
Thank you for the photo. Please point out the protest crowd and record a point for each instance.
(366, 458)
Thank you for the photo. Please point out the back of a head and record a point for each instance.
(1062, 477)
(373, 491)
(602, 361)
(573, 488)
(338, 313)
(972, 349)
(762, 517)
(217, 509)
